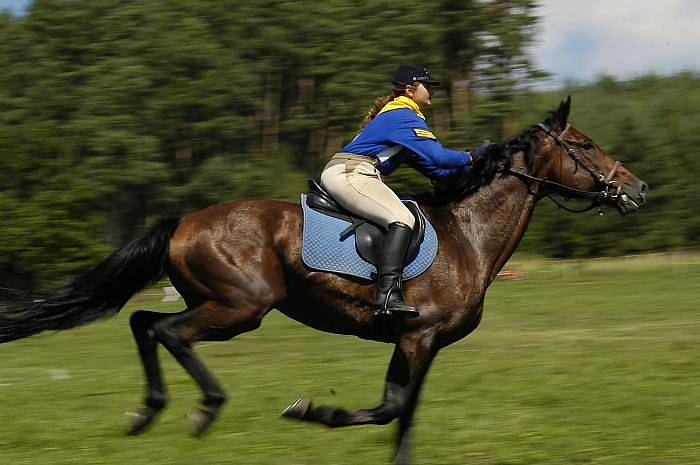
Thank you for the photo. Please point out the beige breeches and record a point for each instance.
(355, 183)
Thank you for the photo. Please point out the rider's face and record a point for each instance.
(421, 94)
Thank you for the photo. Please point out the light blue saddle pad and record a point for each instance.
(322, 249)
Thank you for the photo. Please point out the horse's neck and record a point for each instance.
(494, 219)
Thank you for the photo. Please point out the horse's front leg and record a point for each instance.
(412, 356)
(403, 438)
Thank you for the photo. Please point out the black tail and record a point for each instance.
(100, 292)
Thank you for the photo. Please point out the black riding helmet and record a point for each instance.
(409, 74)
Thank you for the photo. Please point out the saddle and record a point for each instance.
(368, 236)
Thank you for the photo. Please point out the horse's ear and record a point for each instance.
(563, 112)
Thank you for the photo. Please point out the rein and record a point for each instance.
(610, 189)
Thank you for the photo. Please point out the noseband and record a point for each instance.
(610, 190)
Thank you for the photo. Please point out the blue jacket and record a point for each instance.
(399, 133)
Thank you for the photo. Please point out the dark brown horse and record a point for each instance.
(234, 262)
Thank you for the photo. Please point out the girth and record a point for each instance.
(368, 236)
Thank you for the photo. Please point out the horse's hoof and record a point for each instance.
(140, 419)
(298, 409)
(202, 418)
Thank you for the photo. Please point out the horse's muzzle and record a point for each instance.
(632, 198)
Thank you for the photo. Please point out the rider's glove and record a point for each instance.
(484, 150)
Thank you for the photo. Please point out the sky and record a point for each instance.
(582, 39)
(15, 6)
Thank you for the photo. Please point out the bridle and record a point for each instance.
(609, 189)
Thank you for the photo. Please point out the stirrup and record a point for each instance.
(400, 311)
(383, 313)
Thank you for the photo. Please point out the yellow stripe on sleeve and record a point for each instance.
(424, 133)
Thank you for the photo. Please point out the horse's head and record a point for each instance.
(567, 162)
(559, 159)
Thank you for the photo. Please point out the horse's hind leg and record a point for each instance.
(142, 328)
(169, 332)
(177, 333)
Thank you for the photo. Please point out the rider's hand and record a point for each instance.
(485, 149)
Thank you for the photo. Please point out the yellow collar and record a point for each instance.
(402, 102)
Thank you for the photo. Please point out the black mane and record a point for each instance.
(497, 161)
(484, 170)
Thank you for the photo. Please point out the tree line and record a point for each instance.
(114, 113)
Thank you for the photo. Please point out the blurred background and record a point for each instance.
(114, 113)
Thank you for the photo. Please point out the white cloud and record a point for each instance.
(623, 38)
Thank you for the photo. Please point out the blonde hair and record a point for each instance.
(380, 102)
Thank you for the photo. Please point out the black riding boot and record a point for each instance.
(389, 300)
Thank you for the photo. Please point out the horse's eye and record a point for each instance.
(587, 146)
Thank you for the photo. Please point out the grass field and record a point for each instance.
(589, 362)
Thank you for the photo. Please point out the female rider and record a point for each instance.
(395, 131)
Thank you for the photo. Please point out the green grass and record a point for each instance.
(588, 362)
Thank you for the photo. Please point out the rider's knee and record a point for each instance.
(406, 218)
